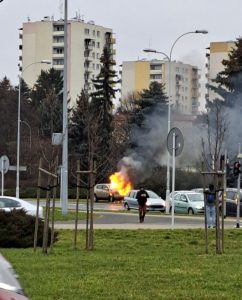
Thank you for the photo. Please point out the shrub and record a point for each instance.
(17, 229)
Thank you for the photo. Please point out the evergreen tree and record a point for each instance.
(102, 108)
(8, 115)
(152, 100)
(102, 98)
(229, 81)
(78, 125)
(47, 99)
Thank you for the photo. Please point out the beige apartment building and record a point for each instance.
(44, 40)
(184, 80)
(217, 52)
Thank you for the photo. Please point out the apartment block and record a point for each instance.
(217, 52)
(44, 40)
(183, 81)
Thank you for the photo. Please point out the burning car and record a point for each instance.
(104, 191)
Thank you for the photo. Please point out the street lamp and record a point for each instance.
(19, 121)
(169, 57)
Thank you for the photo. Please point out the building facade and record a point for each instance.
(184, 81)
(217, 52)
(44, 40)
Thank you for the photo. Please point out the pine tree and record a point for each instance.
(102, 107)
(229, 81)
(150, 100)
(47, 101)
(78, 125)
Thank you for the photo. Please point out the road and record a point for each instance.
(112, 218)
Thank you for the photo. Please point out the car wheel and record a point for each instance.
(190, 211)
(126, 206)
(95, 198)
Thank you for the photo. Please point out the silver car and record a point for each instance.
(9, 203)
(154, 202)
(8, 277)
(188, 202)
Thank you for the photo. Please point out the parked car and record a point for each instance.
(231, 202)
(9, 203)
(103, 191)
(6, 294)
(188, 202)
(154, 202)
(9, 280)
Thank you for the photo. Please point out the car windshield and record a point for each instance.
(153, 195)
(195, 197)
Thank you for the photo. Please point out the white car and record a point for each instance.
(154, 202)
(9, 203)
(8, 277)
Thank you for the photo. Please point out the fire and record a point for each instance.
(120, 183)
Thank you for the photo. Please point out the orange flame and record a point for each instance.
(120, 183)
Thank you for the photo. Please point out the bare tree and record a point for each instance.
(216, 127)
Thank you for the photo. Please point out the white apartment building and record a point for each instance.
(184, 80)
(44, 40)
(217, 52)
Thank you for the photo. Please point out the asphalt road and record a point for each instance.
(113, 216)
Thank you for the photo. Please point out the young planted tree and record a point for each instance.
(85, 141)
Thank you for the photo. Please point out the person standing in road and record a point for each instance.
(210, 206)
(142, 196)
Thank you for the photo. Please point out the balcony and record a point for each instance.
(58, 44)
(58, 33)
(58, 55)
(111, 41)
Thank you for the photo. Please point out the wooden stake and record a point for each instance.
(37, 209)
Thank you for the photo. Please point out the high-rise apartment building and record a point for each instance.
(44, 40)
(184, 80)
(217, 52)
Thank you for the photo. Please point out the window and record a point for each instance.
(58, 39)
(59, 28)
(98, 44)
(156, 67)
(97, 66)
(87, 31)
(183, 198)
(93, 55)
(58, 50)
(98, 33)
(177, 69)
(93, 33)
(98, 55)
(155, 76)
(58, 62)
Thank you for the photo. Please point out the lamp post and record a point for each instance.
(169, 107)
(19, 121)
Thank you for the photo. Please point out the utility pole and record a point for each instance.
(64, 169)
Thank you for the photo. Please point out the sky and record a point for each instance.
(137, 24)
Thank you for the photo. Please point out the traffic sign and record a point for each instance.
(179, 141)
(4, 164)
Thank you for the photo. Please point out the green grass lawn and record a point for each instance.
(140, 264)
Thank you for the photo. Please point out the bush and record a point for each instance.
(17, 230)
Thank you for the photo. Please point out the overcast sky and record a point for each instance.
(137, 24)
